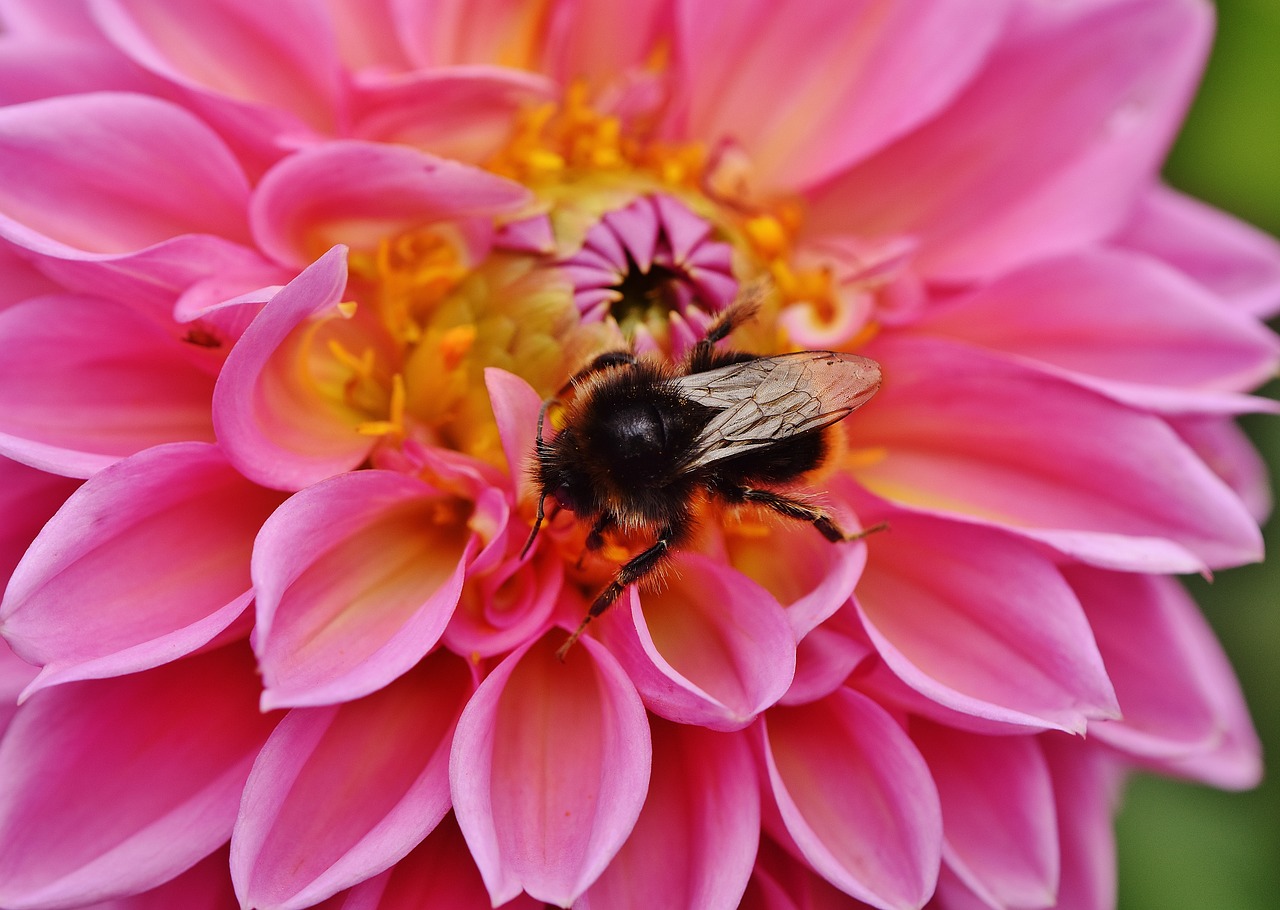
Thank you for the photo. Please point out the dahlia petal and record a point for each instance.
(19, 278)
(808, 89)
(146, 562)
(365, 30)
(464, 113)
(578, 732)
(1072, 170)
(309, 201)
(271, 432)
(826, 656)
(596, 42)
(711, 647)
(28, 498)
(856, 798)
(1229, 452)
(35, 68)
(695, 842)
(217, 49)
(1178, 336)
(205, 886)
(439, 873)
(341, 793)
(1173, 682)
(515, 408)
(37, 18)
(113, 172)
(1230, 258)
(501, 609)
(15, 675)
(1084, 786)
(1028, 656)
(85, 382)
(1000, 831)
(976, 436)
(115, 786)
(355, 578)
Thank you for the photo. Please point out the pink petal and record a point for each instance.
(19, 278)
(503, 608)
(695, 842)
(973, 435)
(1232, 259)
(1000, 828)
(601, 42)
(1179, 697)
(33, 68)
(30, 18)
(807, 89)
(113, 173)
(826, 656)
(1178, 337)
(856, 798)
(205, 886)
(341, 793)
(710, 648)
(439, 873)
(367, 37)
(1093, 119)
(1229, 453)
(1085, 788)
(276, 431)
(1028, 657)
(148, 561)
(464, 114)
(355, 579)
(15, 675)
(549, 770)
(217, 49)
(115, 786)
(309, 201)
(515, 409)
(28, 498)
(86, 382)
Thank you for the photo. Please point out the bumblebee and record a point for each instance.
(643, 441)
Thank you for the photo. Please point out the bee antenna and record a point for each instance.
(537, 523)
(542, 499)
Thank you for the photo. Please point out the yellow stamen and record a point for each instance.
(456, 343)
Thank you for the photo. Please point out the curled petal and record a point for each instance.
(856, 798)
(85, 382)
(275, 431)
(1179, 698)
(1000, 831)
(980, 437)
(1234, 260)
(827, 655)
(146, 562)
(711, 647)
(695, 842)
(355, 579)
(549, 770)
(114, 172)
(309, 201)
(338, 794)
(115, 786)
(982, 623)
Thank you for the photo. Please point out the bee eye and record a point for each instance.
(564, 497)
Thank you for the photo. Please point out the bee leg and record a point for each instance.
(629, 573)
(595, 538)
(802, 511)
(603, 362)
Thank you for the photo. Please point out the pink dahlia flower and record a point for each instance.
(282, 287)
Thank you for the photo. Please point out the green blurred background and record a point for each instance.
(1183, 846)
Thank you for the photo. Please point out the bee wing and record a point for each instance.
(762, 401)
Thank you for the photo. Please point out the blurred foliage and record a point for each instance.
(1184, 846)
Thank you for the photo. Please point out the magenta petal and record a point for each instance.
(205, 886)
(355, 578)
(1001, 177)
(1029, 657)
(86, 381)
(1000, 831)
(807, 89)
(111, 173)
(988, 445)
(272, 433)
(515, 408)
(1085, 785)
(1234, 260)
(28, 498)
(146, 562)
(15, 675)
(549, 770)
(695, 842)
(338, 794)
(115, 786)
(856, 798)
(35, 68)
(309, 201)
(826, 656)
(1175, 688)
(711, 647)
(1230, 453)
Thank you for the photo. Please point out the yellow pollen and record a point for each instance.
(347, 309)
(362, 367)
(394, 424)
(456, 343)
(864, 457)
(615, 553)
(767, 235)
